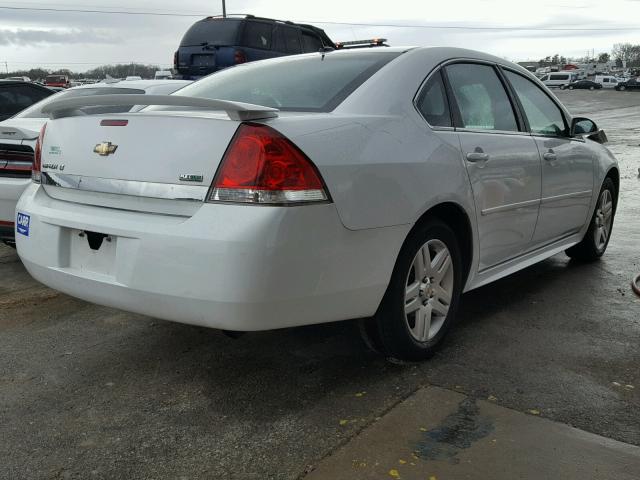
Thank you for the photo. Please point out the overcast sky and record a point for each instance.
(30, 38)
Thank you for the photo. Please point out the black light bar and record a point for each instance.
(371, 42)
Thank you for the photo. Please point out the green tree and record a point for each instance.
(604, 57)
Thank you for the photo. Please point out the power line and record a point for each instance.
(109, 12)
(127, 62)
(469, 27)
(356, 24)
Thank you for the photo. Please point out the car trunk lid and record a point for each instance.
(141, 160)
(142, 163)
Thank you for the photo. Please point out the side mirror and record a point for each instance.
(584, 127)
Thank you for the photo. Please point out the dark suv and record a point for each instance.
(15, 96)
(214, 43)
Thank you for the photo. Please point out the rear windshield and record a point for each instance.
(214, 31)
(35, 110)
(311, 83)
(56, 78)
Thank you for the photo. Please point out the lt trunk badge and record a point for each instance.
(105, 148)
(185, 177)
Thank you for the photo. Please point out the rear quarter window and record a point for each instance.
(310, 42)
(306, 83)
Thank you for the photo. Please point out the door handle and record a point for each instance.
(477, 157)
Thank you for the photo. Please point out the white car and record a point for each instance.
(372, 184)
(18, 138)
(607, 81)
(560, 79)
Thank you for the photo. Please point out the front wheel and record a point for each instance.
(596, 240)
(421, 301)
(622, 88)
(570, 88)
(592, 88)
(562, 87)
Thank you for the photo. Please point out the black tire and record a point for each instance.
(570, 88)
(562, 87)
(592, 87)
(587, 250)
(389, 327)
(622, 88)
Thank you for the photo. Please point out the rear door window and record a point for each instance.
(257, 35)
(432, 102)
(482, 101)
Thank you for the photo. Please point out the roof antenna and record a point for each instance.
(324, 49)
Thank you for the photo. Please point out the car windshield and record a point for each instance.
(35, 110)
(215, 31)
(312, 83)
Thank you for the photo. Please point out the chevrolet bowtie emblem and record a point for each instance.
(105, 148)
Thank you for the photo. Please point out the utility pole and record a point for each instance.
(224, 9)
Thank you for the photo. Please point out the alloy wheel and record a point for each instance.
(603, 219)
(429, 290)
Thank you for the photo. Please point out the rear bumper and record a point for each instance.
(10, 191)
(230, 267)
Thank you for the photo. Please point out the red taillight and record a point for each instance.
(37, 156)
(239, 57)
(263, 166)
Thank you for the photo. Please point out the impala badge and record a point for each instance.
(105, 148)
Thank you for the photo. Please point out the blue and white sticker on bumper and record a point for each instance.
(22, 224)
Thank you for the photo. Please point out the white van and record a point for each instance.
(559, 79)
(607, 81)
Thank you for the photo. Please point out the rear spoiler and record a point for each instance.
(68, 107)
(15, 133)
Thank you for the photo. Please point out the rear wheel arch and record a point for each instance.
(457, 219)
(388, 331)
(614, 175)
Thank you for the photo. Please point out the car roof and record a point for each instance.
(22, 82)
(304, 26)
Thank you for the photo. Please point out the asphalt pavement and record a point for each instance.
(93, 392)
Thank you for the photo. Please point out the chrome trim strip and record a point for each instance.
(585, 193)
(511, 206)
(166, 191)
